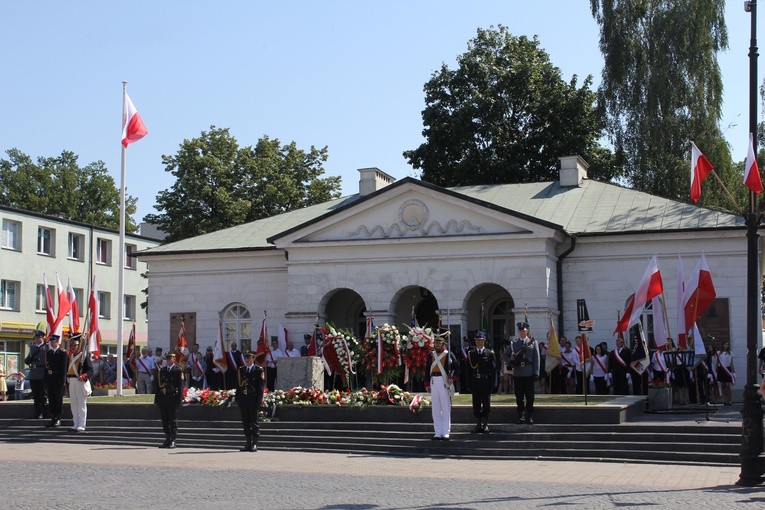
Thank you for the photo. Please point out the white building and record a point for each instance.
(35, 245)
(510, 250)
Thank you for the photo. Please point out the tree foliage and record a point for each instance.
(662, 88)
(220, 184)
(506, 115)
(59, 186)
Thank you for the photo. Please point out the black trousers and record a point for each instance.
(271, 378)
(481, 399)
(169, 413)
(38, 394)
(250, 421)
(55, 400)
(524, 394)
(580, 382)
(601, 386)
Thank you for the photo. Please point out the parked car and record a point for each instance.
(10, 381)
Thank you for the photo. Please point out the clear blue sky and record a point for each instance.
(345, 74)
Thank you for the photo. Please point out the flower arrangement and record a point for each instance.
(390, 360)
(417, 348)
(341, 350)
(388, 395)
(112, 386)
(208, 397)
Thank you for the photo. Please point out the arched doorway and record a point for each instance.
(490, 306)
(417, 299)
(345, 309)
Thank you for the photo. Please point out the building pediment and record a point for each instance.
(412, 211)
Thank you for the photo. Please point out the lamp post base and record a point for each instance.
(752, 465)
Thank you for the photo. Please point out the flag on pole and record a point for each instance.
(49, 315)
(699, 349)
(133, 128)
(681, 331)
(752, 177)
(649, 287)
(182, 344)
(74, 312)
(282, 337)
(129, 353)
(64, 306)
(553, 349)
(219, 353)
(263, 348)
(699, 293)
(312, 348)
(94, 335)
(700, 168)
(660, 333)
(640, 359)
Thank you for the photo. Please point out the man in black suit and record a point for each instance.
(483, 367)
(36, 361)
(249, 395)
(55, 377)
(619, 365)
(167, 396)
(234, 361)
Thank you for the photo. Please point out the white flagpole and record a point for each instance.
(121, 268)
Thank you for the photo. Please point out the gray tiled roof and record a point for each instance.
(592, 209)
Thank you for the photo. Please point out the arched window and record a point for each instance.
(237, 326)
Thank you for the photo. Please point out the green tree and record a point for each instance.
(59, 186)
(220, 184)
(506, 115)
(662, 88)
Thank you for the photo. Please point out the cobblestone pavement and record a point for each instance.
(74, 476)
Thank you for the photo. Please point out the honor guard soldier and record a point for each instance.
(79, 371)
(36, 361)
(167, 397)
(523, 358)
(55, 378)
(249, 395)
(483, 369)
(444, 370)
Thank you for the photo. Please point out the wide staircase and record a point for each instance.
(705, 443)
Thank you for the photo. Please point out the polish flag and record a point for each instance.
(752, 177)
(64, 306)
(700, 168)
(74, 312)
(312, 347)
(282, 337)
(49, 316)
(682, 333)
(660, 332)
(181, 345)
(94, 336)
(263, 344)
(699, 293)
(129, 353)
(650, 286)
(133, 128)
(219, 354)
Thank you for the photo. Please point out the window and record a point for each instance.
(104, 303)
(104, 251)
(46, 241)
(107, 350)
(9, 295)
(79, 295)
(40, 301)
(130, 261)
(76, 246)
(237, 326)
(11, 235)
(129, 308)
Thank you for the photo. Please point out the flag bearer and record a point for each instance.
(168, 398)
(523, 357)
(444, 371)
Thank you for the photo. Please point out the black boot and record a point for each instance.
(171, 444)
(529, 419)
(485, 425)
(477, 427)
(254, 445)
(247, 446)
(521, 418)
(166, 443)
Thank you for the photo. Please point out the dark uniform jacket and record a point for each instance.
(56, 366)
(483, 368)
(250, 384)
(167, 387)
(36, 361)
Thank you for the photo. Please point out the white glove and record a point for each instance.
(629, 378)
(608, 376)
(709, 376)
(592, 378)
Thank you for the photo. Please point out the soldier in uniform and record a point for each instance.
(79, 370)
(36, 361)
(167, 397)
(249, 395)
(55, 377)
(523, 358)
(444, 370)
(483, 367)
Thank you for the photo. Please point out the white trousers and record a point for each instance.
(441, 405)
(78, 402)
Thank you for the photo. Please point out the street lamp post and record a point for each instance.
(751, 412)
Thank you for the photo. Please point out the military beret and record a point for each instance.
(522, 325)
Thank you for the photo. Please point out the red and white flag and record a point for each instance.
(182, 344)
(219, 354)
(94, 336)
(660, 332)
(64, 306)
(752, 177)
(50, 317)
(133, 128)
(264, 348)
(74, 312)
(682, 333)
(700, 168)
(649, 287)
(282, 337)
(699, 293)
(129, 361)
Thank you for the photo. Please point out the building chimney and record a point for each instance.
(372, 179)
(573, 170)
